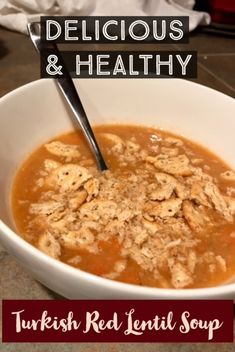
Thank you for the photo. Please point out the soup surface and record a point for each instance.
(161, 216)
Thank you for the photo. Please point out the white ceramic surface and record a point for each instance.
(35, 112)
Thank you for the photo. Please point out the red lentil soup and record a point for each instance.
(161, 216)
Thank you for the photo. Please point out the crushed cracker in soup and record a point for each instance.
(161, 216)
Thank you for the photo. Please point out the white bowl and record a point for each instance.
(35, 112)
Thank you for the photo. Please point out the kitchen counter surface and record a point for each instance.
(19, 64)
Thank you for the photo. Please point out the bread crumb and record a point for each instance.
(228, 175)
(175, 165)
(68, 177)
(65, 151)
(163, 209)
(180, 276)
(193, 216)
(75, 260)
(49, 245)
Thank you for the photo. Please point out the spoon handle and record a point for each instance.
(69, 91)
(67, 87)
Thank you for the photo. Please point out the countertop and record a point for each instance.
(19, 64)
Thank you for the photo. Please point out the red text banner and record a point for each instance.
(117, 321)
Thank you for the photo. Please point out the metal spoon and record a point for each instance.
(69, 91)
